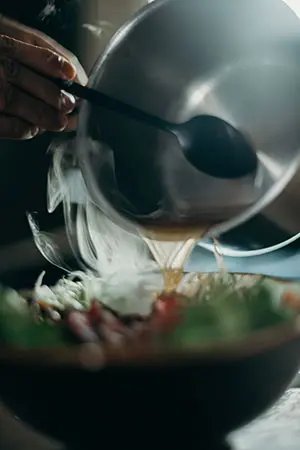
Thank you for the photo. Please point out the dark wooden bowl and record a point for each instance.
(141, 398)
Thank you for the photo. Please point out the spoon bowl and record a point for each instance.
(215, 147)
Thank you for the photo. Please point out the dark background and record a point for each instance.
(24, 165)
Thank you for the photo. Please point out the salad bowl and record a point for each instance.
(86, 396)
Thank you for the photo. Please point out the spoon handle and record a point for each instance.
(105, 101)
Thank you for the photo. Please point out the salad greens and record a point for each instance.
(227, 312)
(20, 327)
(222, 308)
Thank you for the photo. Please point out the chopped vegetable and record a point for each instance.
(222, 308)
(227, 313)
(19, 325)
(291, 300)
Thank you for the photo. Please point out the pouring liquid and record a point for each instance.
(219, 257)
(171, 248)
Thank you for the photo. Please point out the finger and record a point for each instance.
(17, 103)
(12, 28)
(34, 84)
(40, 59)
(15, 128)
(41, 40)
(35, 37)
(72, 123)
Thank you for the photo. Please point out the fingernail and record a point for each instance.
(34, 131)
(63, 122)
(67, 102)
(68, 71)
(31, 133)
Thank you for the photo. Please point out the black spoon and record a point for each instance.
(209, 143)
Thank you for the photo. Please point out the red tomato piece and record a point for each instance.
(95, 313)
(167, 312)
(79, 324)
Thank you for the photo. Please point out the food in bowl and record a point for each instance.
(243, 333)
(208, 309)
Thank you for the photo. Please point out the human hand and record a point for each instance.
(29, 102)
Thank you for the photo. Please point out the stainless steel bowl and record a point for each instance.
(275, 228)
(177, 59)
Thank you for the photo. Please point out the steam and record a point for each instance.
(100, 29)
(112, 263)
(100, 246)
(48, 10)
(47, 245)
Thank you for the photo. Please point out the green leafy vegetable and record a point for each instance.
(224, 308)
(227, 312)
(19, 327)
